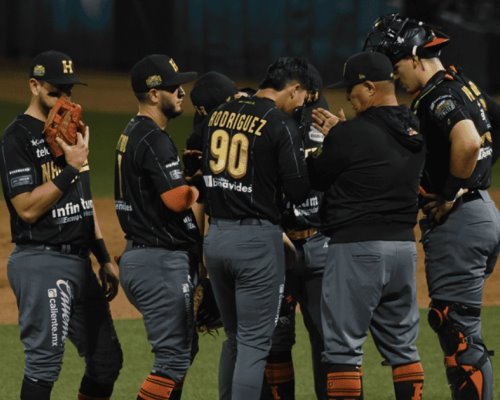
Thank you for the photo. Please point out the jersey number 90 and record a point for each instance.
(230, 153)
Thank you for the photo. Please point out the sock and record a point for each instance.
(408, 381)
(279, 377)
(35, 389)
(156, 387)
(343, 381)
(93, 390)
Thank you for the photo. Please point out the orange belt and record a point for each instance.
(301, 234)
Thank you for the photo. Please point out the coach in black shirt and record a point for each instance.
(370, 169)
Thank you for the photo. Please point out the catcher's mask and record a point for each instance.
(400, 37)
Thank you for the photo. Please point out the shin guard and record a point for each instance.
(467, 360)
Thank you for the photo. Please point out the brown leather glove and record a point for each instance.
(64, 120)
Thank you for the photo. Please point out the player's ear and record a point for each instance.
(35, 86)
(153, 96)
(294, 88)
(370, 86)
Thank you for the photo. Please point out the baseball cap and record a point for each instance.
(55, 68)
(365, 66)
(211, 90)
(158, 71)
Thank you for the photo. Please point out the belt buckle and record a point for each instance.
(301, 234)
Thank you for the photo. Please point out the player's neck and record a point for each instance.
(155, 114)
(35, 110)
(429, 68)
(267, 93)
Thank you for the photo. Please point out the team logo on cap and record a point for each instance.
(174, 65)
(361, 76)
(67, 66)
(38, 70)
(153, 81)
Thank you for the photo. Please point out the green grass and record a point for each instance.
(201, 382)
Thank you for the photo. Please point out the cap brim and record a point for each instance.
(69, 80)
(180, 78)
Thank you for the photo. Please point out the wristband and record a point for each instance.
(451, 187)
(100, 252)
(64, 179)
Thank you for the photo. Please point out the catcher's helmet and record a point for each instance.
(399, 37)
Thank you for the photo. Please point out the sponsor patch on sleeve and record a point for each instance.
(175, 174)
(443, 106)
(22, 180)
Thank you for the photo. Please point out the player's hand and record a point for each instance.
(76, 155)
(437, 208)
(324, 120)
(109, 280)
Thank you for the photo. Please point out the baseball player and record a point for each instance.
(252, 152)
(53, 225)
(153, 203)
(369, 168)
(304, 273)
(460, 234)
(210, 91)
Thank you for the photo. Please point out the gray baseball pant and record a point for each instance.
(59, 297)
(370, 286)
(157, 282)
(246, 267)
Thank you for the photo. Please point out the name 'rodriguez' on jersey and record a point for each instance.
(253, 153)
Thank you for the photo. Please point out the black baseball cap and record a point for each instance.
(55, 68)
(158, 71)
(211, 90)
(365, 66)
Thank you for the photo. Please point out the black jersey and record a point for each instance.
(447, 99)
(370, 168)
(252, 154)
(146, 166)
(26, 162)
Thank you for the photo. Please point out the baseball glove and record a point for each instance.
(64, 121)
(207, 314)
